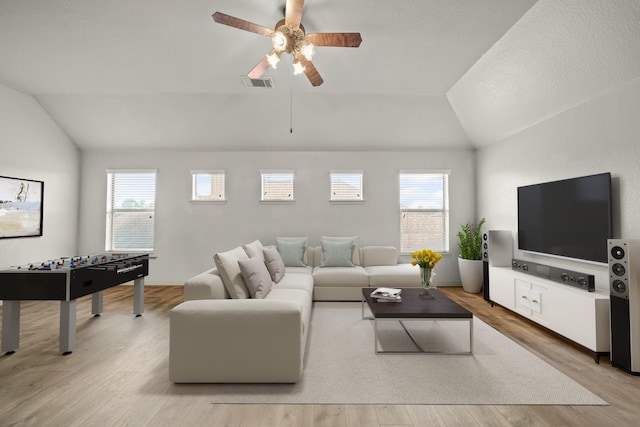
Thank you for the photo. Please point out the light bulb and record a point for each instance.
(308, 50)
(297, 67)
(279, 41)
(273, 59)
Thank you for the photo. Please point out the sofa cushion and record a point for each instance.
(356, 249)
(337, 253)
(207, 285)
(254, 249)
(395, 276)
(341, 276)
(302, 281)
(227, 264)
(292, 251)
(379, 255)
(308, 270)
(256, 276)
(274, 263)
(297, 296)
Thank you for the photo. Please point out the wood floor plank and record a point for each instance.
(228, 415)
(297, 415)
(175, 411)
(80, 407)
(329, 415)
(118, 375)
(393, 415)
(425, 415)
(52, 401)
(526, 416)
(201, 412)
(114, 406)
(141, 409)
(456, 415)
(488, 416)
(361, 416)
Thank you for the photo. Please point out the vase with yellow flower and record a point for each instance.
(426, 259)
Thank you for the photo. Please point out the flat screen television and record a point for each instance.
(568, 218)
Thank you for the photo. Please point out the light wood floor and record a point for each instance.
(118, 375)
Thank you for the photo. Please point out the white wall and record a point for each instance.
(597, 136)
(558, 56)
(187, 234)
(34, 147)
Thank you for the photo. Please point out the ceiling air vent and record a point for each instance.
(261, 82)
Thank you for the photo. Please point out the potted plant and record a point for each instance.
(470, 259)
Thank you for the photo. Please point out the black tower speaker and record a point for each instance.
(624, 289)
(485, 265)
(485, 279)
(497, 250)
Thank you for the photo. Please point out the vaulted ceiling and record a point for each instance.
(161, 74)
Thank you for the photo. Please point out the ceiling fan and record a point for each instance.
(289, 36)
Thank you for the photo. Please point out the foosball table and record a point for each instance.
(66, 280)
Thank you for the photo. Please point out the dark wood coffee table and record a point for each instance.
(415, 307)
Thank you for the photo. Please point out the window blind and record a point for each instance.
(346, 186)
(277, 186)
(424, 211)
(130, 211)
(208, 186)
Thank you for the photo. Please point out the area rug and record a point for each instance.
(341, 367)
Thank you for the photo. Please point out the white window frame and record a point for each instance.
(334, 197)
(113, 211)
(443, 209)
(276, 174)
(198, 197)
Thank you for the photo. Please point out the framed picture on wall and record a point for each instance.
(21, 203)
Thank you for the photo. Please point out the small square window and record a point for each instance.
(346, 186)
(277, 186)
(208, 186)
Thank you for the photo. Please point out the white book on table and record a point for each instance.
(387, 293)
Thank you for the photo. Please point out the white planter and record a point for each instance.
(471, 274)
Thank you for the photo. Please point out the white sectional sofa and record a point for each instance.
(235, 327)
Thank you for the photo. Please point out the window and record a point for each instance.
(277, 186)
(207, 186)
(424, 211)
(346, 186)
(130, 210)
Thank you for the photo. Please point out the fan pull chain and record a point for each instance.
(291, 104)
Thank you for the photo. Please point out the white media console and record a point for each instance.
(581, 316)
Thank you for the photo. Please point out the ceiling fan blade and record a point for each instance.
(223, 18)
(310, 71)
(260, 67)
(335, 39)
(293, 12)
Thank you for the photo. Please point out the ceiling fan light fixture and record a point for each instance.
(279, 41)
(288, 35)
(297, 68)
(308, 50)
(273, 59)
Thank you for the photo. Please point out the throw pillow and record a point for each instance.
(254, 249)
(274, 263)
(256, 276)
(292, 252)
(356, 250)
(305, 256)
(227, 264)
(336, 254)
